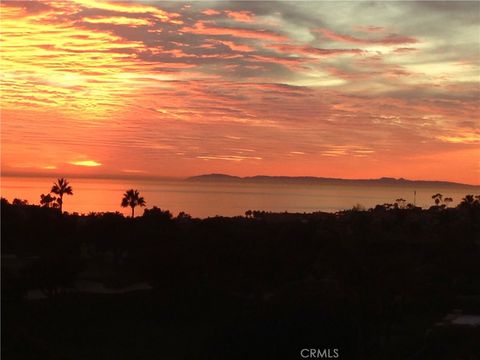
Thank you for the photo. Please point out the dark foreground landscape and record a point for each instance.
(394, 282)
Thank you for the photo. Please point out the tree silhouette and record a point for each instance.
(447, 200)
(132, 198)
(157, 214)
(437, 198)
(468, 200)
(400, 203)
(60, 188)
(19, 202)
(183, 216)
(47, 200)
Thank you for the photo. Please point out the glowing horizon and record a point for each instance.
(174, 89)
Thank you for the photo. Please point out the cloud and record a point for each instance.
(207, 28)
(118, 20)
(308, 50)
(242, 16)
(371, 29)
(210, 12)
(235, 158)
(471, 138)
(404, 50)
(128, 8)
(234, 46)
(392, 39)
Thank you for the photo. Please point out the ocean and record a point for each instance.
(226, 199)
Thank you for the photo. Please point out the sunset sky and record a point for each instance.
(333, 89)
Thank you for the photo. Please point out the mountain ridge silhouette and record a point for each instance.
(217, 177)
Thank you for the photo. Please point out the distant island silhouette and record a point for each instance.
(312, 180)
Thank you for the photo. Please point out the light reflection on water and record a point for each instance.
(228, 199)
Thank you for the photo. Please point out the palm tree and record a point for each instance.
(47, 200)
(132, 198)
(468, 200)
(60, 188)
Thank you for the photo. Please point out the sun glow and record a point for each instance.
(63, 66)
(89, 163)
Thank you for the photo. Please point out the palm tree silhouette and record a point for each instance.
(468, 200)
(60, 188)
(132, 198)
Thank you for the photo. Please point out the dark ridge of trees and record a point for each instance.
(371, 283)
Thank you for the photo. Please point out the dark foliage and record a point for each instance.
(370, 283)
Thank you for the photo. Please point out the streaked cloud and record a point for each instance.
(204, 27)
(462, 139)
(126, 7)
(228, 157)
(242, 16)
(118, 20)
(392, 39)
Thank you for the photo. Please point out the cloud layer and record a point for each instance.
(356, 89)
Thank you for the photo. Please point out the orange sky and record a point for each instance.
(350, 89)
